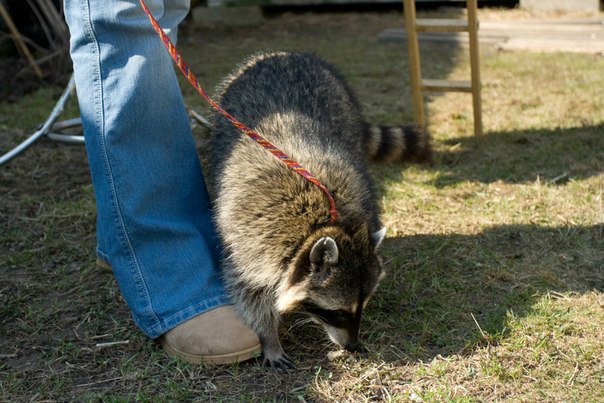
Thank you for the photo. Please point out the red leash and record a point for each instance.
(182, 65)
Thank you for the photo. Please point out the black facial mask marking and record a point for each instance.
(337, 318)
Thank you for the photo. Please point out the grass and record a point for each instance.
(495, 254)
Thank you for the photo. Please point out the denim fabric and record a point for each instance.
(154, 222)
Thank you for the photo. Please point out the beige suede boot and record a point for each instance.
(218, 336)
(103, 264)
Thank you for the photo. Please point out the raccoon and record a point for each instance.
(282, 253)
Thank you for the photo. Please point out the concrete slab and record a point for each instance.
(592, 6)
(581, 36)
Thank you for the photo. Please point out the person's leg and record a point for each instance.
(154, 223)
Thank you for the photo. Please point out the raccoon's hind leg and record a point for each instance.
(257, 307)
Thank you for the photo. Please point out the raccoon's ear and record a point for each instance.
(325, 251)
(379, 236)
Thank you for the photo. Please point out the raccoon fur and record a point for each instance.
(282, 254)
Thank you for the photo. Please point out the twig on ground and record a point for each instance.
(82, 385)
(478, 326)
(559, 178)
(112, 343)
(574, 375)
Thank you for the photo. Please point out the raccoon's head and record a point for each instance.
(334, 278)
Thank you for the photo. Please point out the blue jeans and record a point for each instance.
(154, 221)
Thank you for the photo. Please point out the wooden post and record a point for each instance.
(21, 46)
(471, 6)
(414, 63)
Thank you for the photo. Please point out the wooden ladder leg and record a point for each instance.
(471, 6)
(414, 62)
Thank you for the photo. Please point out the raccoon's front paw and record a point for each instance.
(274, 356)
(281, 363)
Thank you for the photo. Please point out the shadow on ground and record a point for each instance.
(523, 156)
(437, 282)
(515, 157)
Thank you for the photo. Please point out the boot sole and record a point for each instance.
(217, 359)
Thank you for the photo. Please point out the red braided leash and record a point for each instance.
(182, 65)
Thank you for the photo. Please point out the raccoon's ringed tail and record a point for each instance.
(408, 143)
(293, 165)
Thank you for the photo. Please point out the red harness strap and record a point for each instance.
(182, 65)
